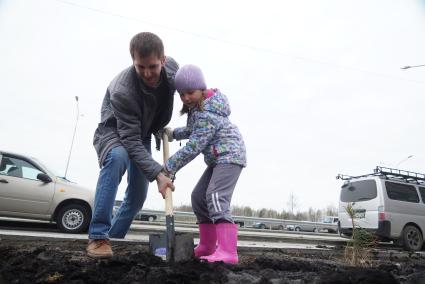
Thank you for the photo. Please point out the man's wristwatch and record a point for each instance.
(168, 174)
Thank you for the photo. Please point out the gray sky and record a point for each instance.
(315, 86)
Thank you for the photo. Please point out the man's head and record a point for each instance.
(147, 52)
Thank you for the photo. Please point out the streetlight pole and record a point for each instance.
(414, 66)
(73, 137)
(405, 159)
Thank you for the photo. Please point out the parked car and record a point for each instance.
(388, 202)
(290, 227)
(30, 190)
(272, 226)
(307, 227)
(259, 225)
(139, 216)
(146, 217)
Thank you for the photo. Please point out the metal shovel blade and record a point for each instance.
(181, 251)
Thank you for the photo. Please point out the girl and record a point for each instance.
(211, 133)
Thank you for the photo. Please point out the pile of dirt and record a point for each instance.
(52, 261)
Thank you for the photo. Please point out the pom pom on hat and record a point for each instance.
(189, 77)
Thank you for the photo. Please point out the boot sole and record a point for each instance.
(219, 260)
(99, 256)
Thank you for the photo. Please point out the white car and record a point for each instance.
(30, 190)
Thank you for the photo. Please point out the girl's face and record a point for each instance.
(191, 98)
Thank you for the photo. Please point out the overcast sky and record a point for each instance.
(315, 86)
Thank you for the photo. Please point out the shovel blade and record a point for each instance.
(172, 246)
(183, 250)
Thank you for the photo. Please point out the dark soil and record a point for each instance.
(51, 261)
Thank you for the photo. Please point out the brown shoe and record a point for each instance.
(99, 249)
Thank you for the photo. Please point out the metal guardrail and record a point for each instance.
(270, 223)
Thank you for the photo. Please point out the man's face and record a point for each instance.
(148, 68)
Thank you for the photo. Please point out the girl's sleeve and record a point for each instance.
(181, 133)
(202, 133)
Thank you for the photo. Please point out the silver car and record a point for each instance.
(30, 190)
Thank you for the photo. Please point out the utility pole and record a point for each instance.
(73, 137)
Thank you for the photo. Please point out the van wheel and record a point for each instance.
(297, 229)
(73, 218)
(412, 238)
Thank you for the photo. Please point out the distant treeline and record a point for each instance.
(313, 215)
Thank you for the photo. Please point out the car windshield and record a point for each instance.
(46, 167)
(328, 219)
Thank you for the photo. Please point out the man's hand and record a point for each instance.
(163, 183)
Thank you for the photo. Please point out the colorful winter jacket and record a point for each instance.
(211, 133)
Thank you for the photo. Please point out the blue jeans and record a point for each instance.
(116, 163)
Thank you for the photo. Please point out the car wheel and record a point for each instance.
(151, 219)
(412, 238)
(297, 229)
(73, 218)
(262, 226)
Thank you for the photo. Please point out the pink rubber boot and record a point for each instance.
(207, 240)
(227, 238)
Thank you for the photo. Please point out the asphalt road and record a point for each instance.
(139, 232)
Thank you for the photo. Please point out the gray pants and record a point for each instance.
(212, 194)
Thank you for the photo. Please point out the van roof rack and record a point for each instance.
(402, 175)
(390, 173)
(347, 177)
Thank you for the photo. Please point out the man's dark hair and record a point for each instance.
(146, 44)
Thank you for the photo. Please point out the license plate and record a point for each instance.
(359, 215)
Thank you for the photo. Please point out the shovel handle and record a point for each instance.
(168, 192)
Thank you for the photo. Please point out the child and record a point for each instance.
(211, 133)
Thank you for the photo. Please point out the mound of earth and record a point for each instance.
(32, 260)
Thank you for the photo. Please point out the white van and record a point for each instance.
(389, 202)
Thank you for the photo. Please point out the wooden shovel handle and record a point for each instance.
(168, 192)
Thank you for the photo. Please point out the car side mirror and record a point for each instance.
(44, 178)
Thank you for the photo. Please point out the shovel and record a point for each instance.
(171, 246)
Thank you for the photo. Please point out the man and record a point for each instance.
(138, 102)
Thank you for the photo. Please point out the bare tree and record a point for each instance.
(311, 214)
(331, 210)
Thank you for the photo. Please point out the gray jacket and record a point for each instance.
(128, 120)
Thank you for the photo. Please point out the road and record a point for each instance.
(139, 232)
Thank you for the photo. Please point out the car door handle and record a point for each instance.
(3, 181)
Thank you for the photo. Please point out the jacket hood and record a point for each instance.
(217, 103)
